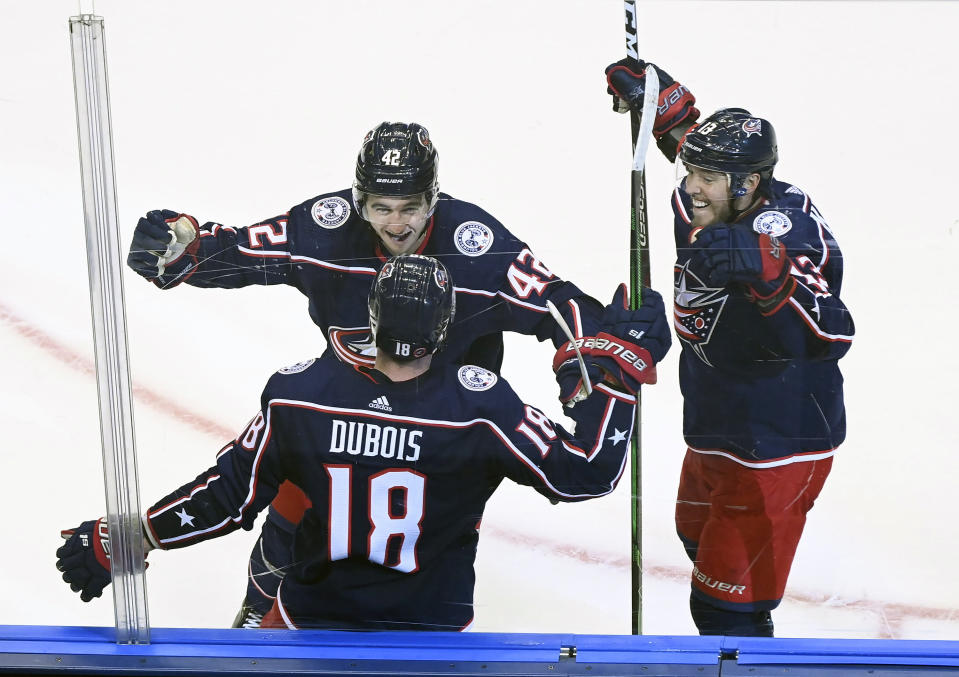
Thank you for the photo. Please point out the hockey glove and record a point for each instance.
(161, 238)
(724, 254)
(85, 558)
(627, 83)
(631, 342)
(570, 377)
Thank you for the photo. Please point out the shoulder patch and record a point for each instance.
(330, 212)
(473, 238)
(298, 367)
(773, 223)
(476, 378)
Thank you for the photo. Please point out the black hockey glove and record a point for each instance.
(626, 81)
(85, 558)
(724, 254)
(631, 342)
(161, 238)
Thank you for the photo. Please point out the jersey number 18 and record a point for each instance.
(386, 525)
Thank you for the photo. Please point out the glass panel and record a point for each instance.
(234, 114)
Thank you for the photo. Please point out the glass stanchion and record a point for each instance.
(95, 135)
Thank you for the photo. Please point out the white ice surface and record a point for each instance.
(235, 111)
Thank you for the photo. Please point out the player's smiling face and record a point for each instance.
(711, 197)
(709, 192)
(399, 222)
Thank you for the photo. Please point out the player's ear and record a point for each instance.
(751, 183)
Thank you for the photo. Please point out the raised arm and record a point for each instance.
(170, 248)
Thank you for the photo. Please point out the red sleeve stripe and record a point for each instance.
(194, 491)
(680, 207)
(307, 260)
(506, 297)
(616, 394)
(264, 441)
(194, 534)
(825, 247)
(600, 436)
(359, 270)
(263, 254)
(832, 338)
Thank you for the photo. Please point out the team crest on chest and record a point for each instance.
(476, 378)
(696, 310)
(330, 212)
(473, 238)
(772, 223)
(298, 367)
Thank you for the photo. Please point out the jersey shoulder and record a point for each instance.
(481, 392)
(467, 230)
(305, 380)
(331, 212)
(790, 214)
(470, 378)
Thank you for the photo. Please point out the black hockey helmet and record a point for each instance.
(411, 306)
(396, 160)
(736, 143)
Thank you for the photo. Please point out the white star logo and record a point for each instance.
(617, 437)
(185, 518)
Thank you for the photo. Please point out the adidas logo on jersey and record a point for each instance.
(381, 403)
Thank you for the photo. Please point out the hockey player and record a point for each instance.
(757, 308)
(399, 459)
(330, 248)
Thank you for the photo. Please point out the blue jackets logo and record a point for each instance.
(696, 310)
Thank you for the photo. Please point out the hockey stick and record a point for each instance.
(641, 128)
(587, 386)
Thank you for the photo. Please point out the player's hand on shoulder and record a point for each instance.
(85, 558)
(724, 254)
(626, 81)
(160, 238)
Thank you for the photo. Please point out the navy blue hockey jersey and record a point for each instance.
(325, 249)
(398, 474)
(764, 388)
